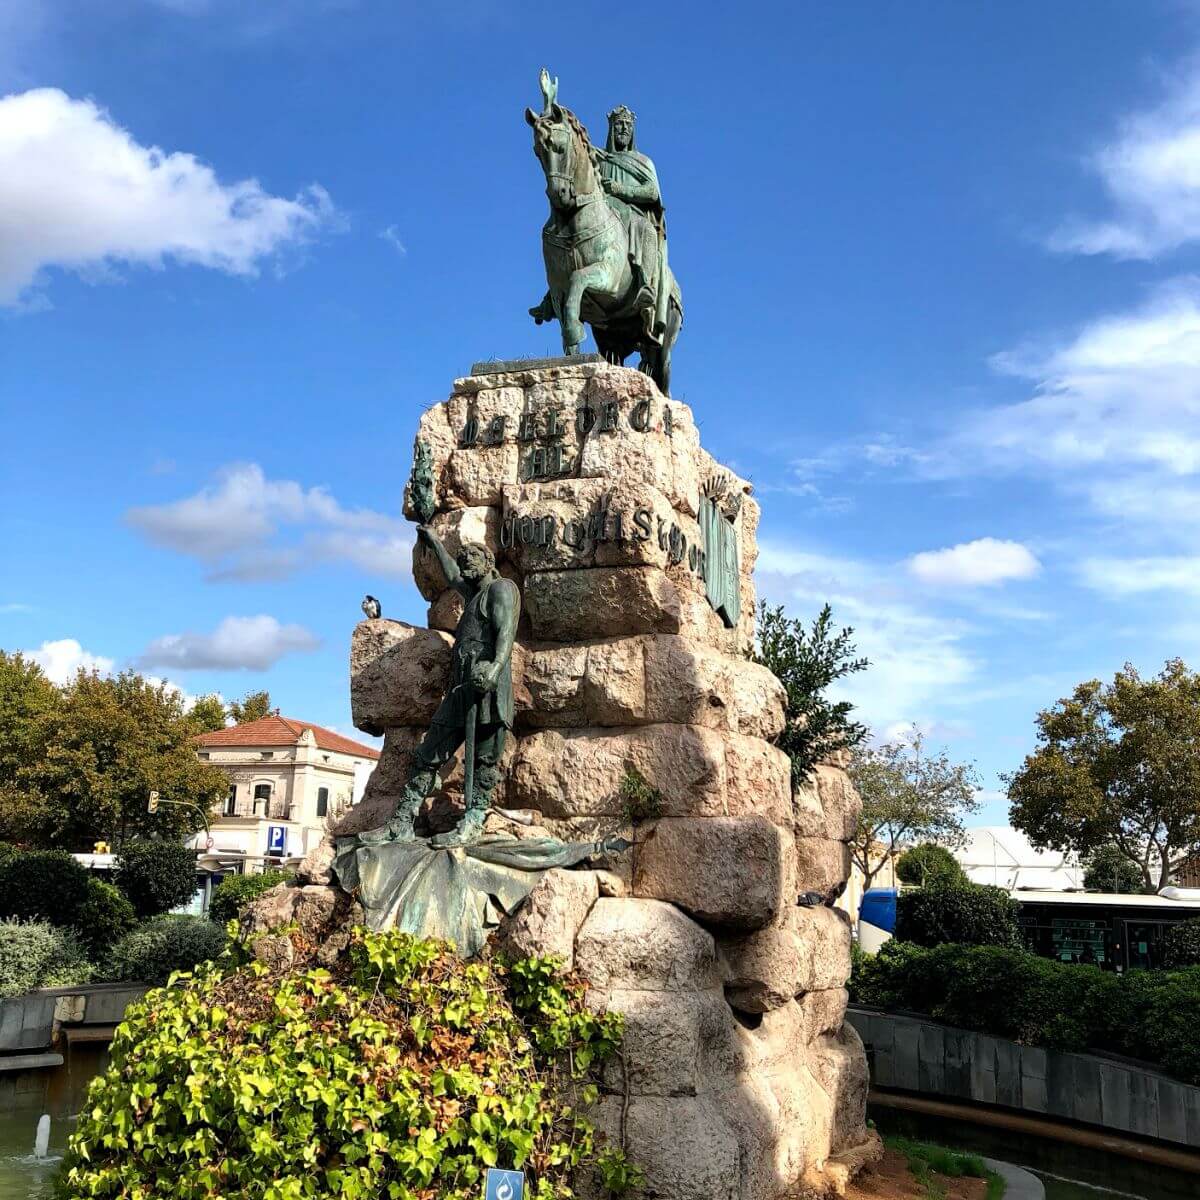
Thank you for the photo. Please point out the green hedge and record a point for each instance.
(965, 914)
(104, 917)
(37, 955)
(1151, 1015)
(42, 885)
(232, 894)
(156, 876)
(162, 945)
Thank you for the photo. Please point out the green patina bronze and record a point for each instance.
(456, 885)
(420, 484)
(456, 894)
(605, 243)
(722, 571)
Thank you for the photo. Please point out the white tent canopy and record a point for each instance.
(1003, 857)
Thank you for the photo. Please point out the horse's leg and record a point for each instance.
(662, 360)
(593, 277)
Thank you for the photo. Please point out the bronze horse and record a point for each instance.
(586, 243)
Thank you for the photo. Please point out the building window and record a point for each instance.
(231, 801)
(262, 797)
(322, 802)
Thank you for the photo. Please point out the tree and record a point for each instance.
(807, 663)
(207, 713)
(1117, 765)
(253, 706)
(100, 750)
(908, 795)
(156, 876)
(27, 697)
(929, 862)
(1108, 870)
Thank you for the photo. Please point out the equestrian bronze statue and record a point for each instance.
(605, 243)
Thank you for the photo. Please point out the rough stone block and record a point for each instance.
(665, 1044)
(579, 772)
(724, 871)
(826, 804)
(644, 945)
(575, 605)
(549, 918)
(823, 1011)
(398, 674)
(758, 780)
(821, 864)
(683, 1143)
(840, 1066)
(759, 701)
(807, 951)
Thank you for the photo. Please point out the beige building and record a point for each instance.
(287, 779)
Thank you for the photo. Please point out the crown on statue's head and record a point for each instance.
(622, 111)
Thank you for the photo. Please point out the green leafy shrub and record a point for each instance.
(234, 892)
(103, 918)
(929, 863)
(1181, 944)
(1013, 994)
(42, 885)
(967, 914)
(35, 955)
(401, 1072)
(150, 953)
(156, 876)
(1108, 870)
(640, 801)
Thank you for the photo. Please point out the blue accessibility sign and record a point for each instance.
(503, 1185)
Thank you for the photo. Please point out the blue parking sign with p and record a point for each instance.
(276, 840)
(503, 1185)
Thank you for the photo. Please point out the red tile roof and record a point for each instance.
(273, 730)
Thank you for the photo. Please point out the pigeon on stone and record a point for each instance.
(371, 607)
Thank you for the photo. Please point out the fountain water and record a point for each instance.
(41, 1142)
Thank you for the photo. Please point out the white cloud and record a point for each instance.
(79, 193)
(64, 659)
(917, 657)
(1151, 172)
(1131, 576)
(1123, 392)
(391, 235)
(232, 526)
(981, 563)
(237, 643)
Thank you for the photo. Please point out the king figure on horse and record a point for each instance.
(605, 243)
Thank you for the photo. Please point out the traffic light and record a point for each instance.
(152, 806)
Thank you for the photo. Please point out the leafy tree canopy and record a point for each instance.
(1108, 870)
(807, 662)
(1117, 765)
(908, 795)
(207, 713)
(81, 760)
(156, 876)
(253, 706)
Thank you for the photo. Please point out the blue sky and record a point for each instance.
(940, 269)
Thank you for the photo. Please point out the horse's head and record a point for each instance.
(562, 147)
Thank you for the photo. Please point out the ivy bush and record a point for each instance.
(234, 892)
(1150, 1015)
(163, 945)
(401, 1072)
(42, 885)
(156, 876)
(36, 955)
(103, 918)
(963, 913)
